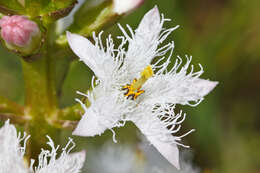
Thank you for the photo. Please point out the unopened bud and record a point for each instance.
(20, 34)
(125, 6)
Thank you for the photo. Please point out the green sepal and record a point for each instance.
(32, 48)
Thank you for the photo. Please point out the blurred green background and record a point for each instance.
(223, 36)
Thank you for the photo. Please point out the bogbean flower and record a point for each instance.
(11, 155)
(130, 88)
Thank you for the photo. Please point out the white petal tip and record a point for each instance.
(169, 151)
(150, 23)
(79, 131)
(211, 85)
(89, 126)
(205, 86)
(215, 83)
(154, 11)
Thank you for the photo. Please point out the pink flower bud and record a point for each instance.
(20, 33)
(18, 30)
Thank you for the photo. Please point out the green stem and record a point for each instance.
(40, 101)
(63, 66)
(40, 95)
(39, 131)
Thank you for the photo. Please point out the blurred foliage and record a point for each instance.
(98, 16)
(223, 36)
(35, 7)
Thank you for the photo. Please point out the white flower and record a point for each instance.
(130, 88)
(11, 155)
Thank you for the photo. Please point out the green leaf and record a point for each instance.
(10, 7)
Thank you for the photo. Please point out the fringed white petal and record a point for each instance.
(169, 151)
(89, 125)
(11, 153)
(99, 61)
(105, 112)
(162, 141)
(86, 51)
(204, 86)
(160, 126)
(180, 85)
(150, 22)
(104, 62)
(143, 44)
(66, 163)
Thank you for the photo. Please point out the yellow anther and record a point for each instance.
(134, 89)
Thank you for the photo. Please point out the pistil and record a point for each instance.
(133, 90)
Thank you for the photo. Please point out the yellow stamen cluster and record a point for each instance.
(133, 90)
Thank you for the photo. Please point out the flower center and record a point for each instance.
(133, 90)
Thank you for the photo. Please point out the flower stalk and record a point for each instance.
(40, 101)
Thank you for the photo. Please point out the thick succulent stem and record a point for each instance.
(38, 129)
(40, 94)
(40, 101)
